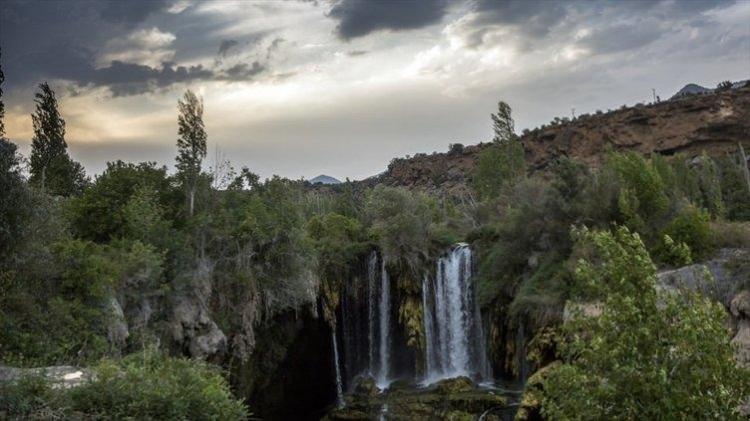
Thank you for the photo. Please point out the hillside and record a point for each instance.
(713, 123)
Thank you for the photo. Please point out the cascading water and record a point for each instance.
(372, 266)
(379, 320)
(455, 344)
(339, 387)
(385, 327)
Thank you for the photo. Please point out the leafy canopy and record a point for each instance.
(648, 355)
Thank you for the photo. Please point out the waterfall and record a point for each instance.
(372, 263)
(455, 344)
(385, 324)
(523, 366)
(339, 387)
(428, 325)
(379, 320)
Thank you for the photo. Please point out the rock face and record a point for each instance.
(740, 309)
(191, 325)
(720, 280)
(61, 376)
(714, 123)
(451, 399)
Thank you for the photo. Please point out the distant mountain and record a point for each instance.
(693, 89)
(324, 179)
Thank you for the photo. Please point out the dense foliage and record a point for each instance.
(647, 355)
(145, 385)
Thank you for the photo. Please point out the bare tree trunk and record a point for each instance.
(744, 165)
(44, 174)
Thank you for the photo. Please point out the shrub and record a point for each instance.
(730, 234)
(147, 385)
(692, 227)
(150, 385)
(647, 356)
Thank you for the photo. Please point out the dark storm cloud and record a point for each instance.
(621, 38)
(534, 17)
(243, 71)
(225, 46)
(132, 11)
(62, 40)
(360, 17)
(132, 79)
(620, 25)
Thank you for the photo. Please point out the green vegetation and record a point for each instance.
(144, 385)
(51, 167)
(645, 356)
(186, 254)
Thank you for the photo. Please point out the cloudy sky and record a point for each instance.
(300, 88)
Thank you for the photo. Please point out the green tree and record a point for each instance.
(191, 144)
(648, 355)
(499, 165)
(642, 200)
(99, 214)
(503, 125)
(51, 167)
(13, 204)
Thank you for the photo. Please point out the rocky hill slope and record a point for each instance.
(714, 123)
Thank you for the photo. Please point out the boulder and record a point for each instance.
(740, 305)
(455, 385)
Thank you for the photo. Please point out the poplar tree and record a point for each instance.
(49, 134)
(502, 123)
(191, 143)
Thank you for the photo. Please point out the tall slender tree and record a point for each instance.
(502, 123)
(49, 135)
(51, 168)
(191, 144)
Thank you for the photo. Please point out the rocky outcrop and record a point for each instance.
(191, 325)
(193, 328)
(740, 309)
(117, 327)
(714, 123)
(713, 278)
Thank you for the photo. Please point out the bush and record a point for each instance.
(730, 234)
(147, 386)
(647, 356)
(692, 227)
(150, 385)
